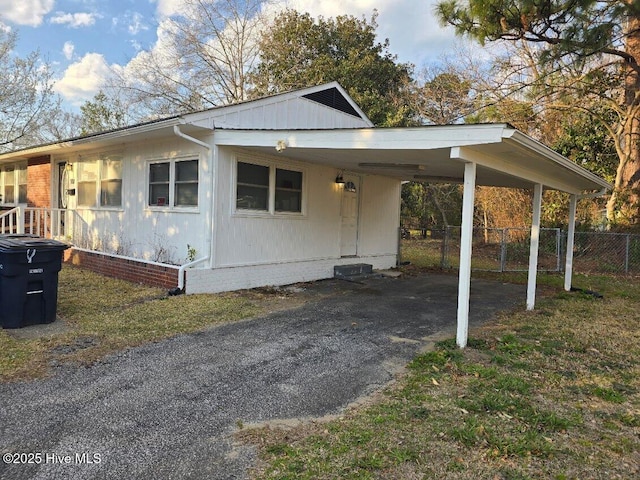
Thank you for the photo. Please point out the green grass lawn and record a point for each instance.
(548, 394)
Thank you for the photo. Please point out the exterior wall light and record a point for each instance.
(350, 187)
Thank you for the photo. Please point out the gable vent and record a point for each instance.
(332, 97)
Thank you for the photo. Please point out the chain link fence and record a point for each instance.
(507, 250)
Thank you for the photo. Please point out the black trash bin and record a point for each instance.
(29, 267)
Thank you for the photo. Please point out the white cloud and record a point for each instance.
(74, 20)
(83, 79)
(136, 24)
(68, 49)
(25, 12)
(166, 8)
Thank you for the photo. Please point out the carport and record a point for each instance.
(485, 155)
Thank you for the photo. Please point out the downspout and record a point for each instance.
(181, 271)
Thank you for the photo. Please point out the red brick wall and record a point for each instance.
(39, 181)
(132, 270)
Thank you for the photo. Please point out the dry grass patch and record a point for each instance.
(552, 394)
(99, 315)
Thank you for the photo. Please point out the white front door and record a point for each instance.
(349, 212)
(65, 184)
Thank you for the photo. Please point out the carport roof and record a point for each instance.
(504, 156)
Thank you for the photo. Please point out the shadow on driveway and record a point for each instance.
(168, 410)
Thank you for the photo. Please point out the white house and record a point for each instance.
(267, 192)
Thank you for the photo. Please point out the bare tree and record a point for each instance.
(442, 95)
(26, 95)
(57, 125)
(201, 60)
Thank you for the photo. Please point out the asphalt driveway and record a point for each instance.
(168, 410)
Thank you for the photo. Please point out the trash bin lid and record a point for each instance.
(17, 242)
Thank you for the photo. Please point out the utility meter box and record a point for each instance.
(29, 267)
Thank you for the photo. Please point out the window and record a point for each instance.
(268, 189)
(173, 183)
(159, 184)
(9, 185)
(13, 181)
(87, 184)
(288, 190)
(253, 187)
(99, 181)
(186, 183)
(111, 182)
(22, 184)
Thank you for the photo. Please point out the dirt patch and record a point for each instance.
(40, 331)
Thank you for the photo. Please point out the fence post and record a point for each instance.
(562, 245)
(503, 250)
(626, 254)
(558, 249)
(445, 247)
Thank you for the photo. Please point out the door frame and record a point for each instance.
(357, 180)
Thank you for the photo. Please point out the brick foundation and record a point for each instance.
(130, 269)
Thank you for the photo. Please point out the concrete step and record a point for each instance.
(352, 270)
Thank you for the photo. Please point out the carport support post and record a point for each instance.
(533, 249)
(571, 233)
(466, 237)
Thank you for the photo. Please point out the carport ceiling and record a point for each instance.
(504, 156)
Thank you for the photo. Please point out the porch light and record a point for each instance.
(281, 146)
(350, 187)
(340, 179)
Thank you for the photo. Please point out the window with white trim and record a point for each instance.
(13, 184)
(267, 188)
(173, 183)
(99, 181)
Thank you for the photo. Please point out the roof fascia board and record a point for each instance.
(112, 136)
(419, 138)
(515, 137)
(466, 154)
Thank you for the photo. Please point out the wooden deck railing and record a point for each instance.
(42, 221)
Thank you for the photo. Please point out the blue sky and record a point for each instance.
(83, 39)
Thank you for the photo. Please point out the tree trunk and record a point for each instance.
(630, 172)
(438, 204)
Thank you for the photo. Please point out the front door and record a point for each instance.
(63, 181)
(58, 217)
(349, 212)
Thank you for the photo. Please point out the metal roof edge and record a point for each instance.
(100, 136)
(524, 140)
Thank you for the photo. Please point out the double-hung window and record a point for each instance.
(268, 188)
(13, 182)
(173, 183)
(99, 181)
(252, 187)
(111, 182)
